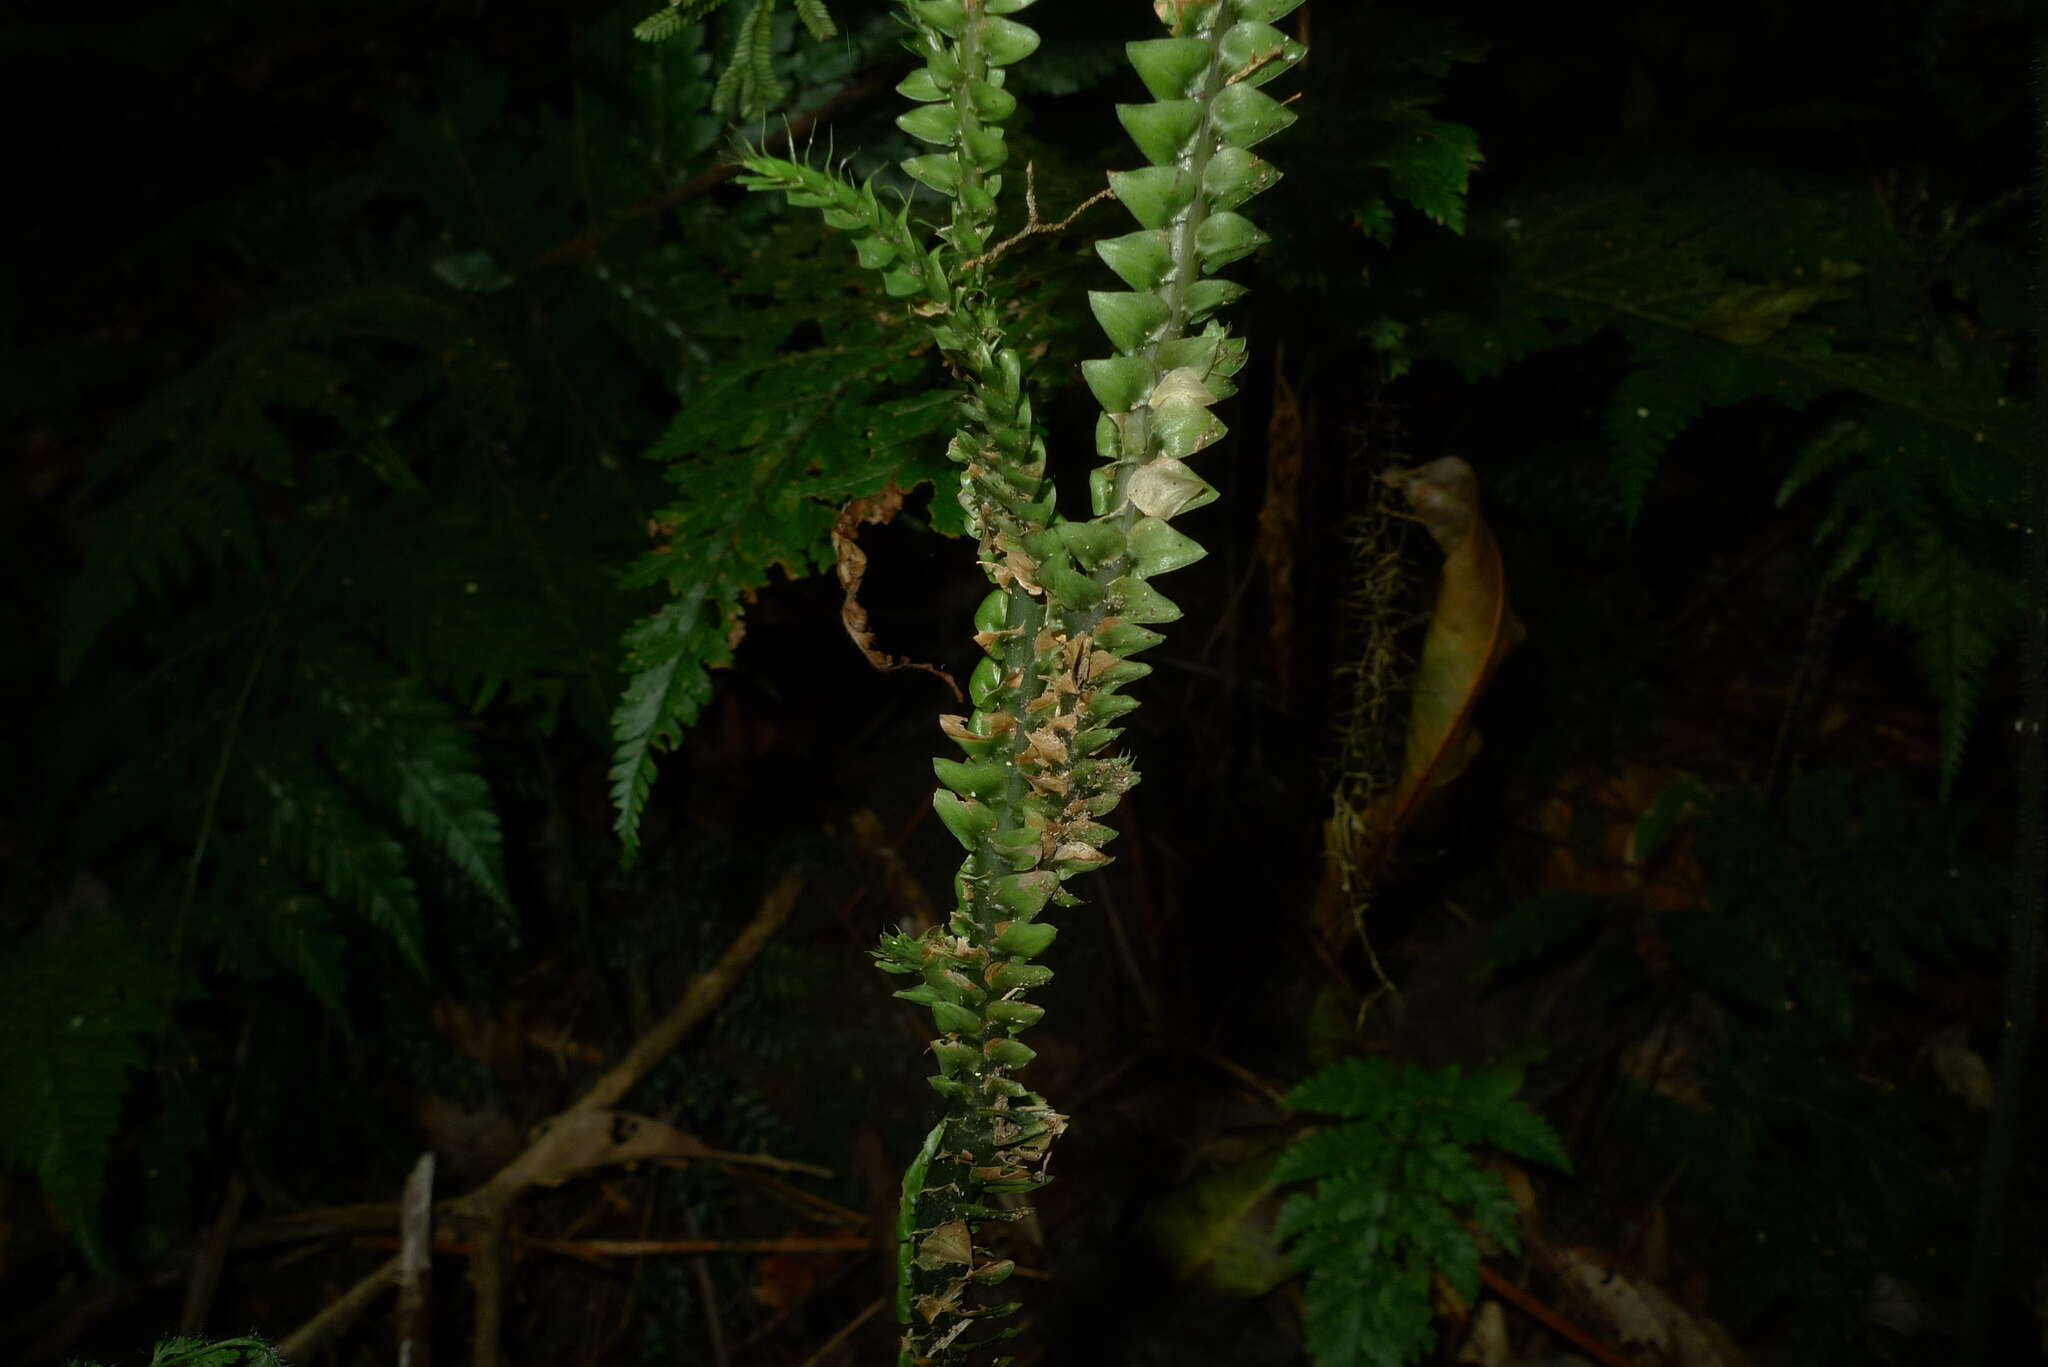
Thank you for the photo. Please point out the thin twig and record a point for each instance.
(1549, 1318)
(703, 996)
(705, 993)
(1032, 226)
(211, 807)
(1245, 1076)
(205, 1275)
(707, 1296)
(597, 1251)
(1258, 60)
(416, 1266)
(845, 1332)
(340, 1314)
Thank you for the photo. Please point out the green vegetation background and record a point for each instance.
(408, 434)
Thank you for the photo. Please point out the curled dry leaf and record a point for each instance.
(1668, 1060)
(1487, 1344)
(947, 1245)
(852, 566)
(1648, 1323)
(578, 1142)
(1962, 1070)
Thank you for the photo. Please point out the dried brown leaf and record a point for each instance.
(851, 563)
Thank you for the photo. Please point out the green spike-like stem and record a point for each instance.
(1072, 600)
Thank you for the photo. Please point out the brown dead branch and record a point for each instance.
(205, 1275)
(600, 1250)
(574, 1141)
(416, 1267)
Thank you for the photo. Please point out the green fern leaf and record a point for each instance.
(660, 26)
(729, 93)
(298, 931)
(1959, 612)
(767, 90)
(1924, 512)
(74, 1004)
(404, 750)
(666, 659)
(748, 86)
(194, 444)
(770, 443)
(1677, 377)
(1350, 1087)
(1391, 1189)
(1651, 407)
(180, 515)
(188, 1352)
(315, 826)
(260, 919)
(1837, 443)
(493, 594)
(817, 20)
(1429, 163)
(1370, 1311)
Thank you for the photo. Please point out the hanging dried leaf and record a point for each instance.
(1487, 1345)
(1647, 1322)
(1470, 629)
(852, 566)
(1962, 1070)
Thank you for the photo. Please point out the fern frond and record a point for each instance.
(768, 90)
(1920, 515)
(200, 440)
(748, 86)
(817, 20)
(680, 14)
(660, 26)
(1838, 443)
(1429, 163)
(262, 919)
(494, 593)
(404, 750)
(1959, 610)
(1392, 1188)
(315, 827)
(73, 1005)
(667, 657)
(179, 516)
(767, 447)
(189, 1352)
(1650, 408)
